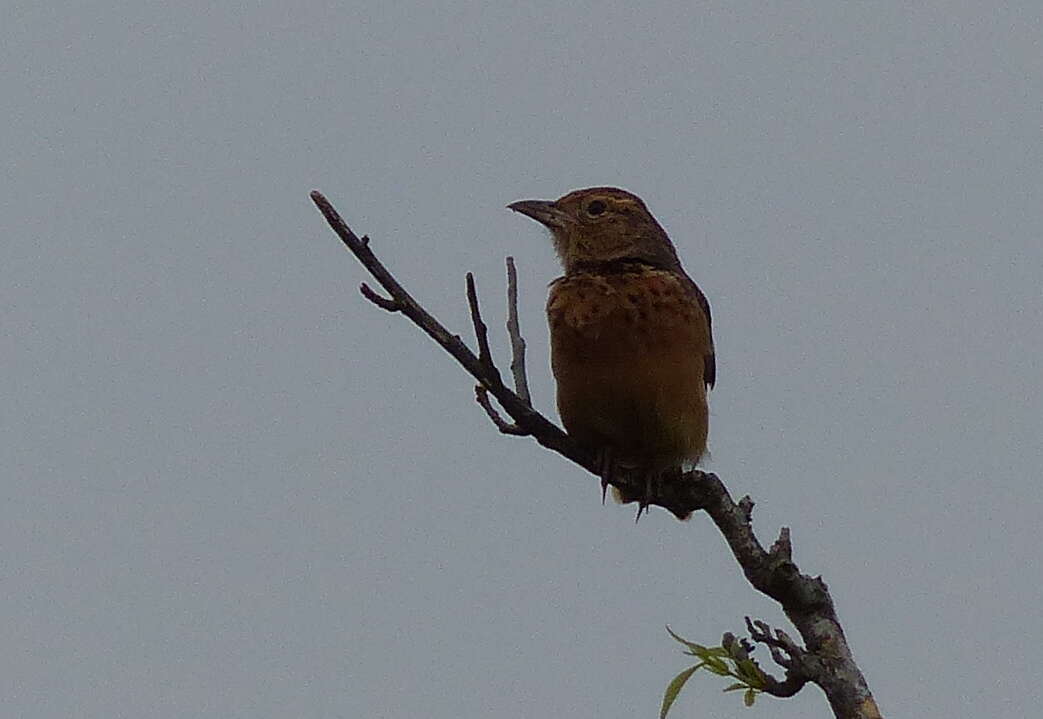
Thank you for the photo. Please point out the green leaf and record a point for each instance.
(696, 649)
(735, 687)
(703, 653)
(677, 637)
(674, 688)
(716, 666)
(749, 672)
(749, 697)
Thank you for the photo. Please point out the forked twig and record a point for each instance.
(485, 358)
(788, 655)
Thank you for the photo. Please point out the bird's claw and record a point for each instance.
(606, 469)
(651, 490)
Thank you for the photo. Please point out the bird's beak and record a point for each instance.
(543, 211)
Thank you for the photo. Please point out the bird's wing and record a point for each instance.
(709, 359)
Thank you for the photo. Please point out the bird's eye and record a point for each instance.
(595, 208)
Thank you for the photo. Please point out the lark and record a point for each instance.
(630, 334)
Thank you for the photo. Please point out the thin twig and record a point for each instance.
(481, 333)
(793, 660)
(521, 381)
(481, 395)
(800, 665)
(779, 643)
(481, 330)
(382, 302)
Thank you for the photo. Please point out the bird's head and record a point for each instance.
(602, 224)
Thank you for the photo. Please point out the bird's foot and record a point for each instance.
(606, 469)
(652, 487)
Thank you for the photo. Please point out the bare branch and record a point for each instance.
(382, 302)
(481, 331)
(481, 395)
(761, 632)
(805, 600)
(801, 667)
(521, 382)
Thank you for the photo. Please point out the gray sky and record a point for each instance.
(232, 488)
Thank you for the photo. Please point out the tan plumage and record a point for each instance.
(631, 346)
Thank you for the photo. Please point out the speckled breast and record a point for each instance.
(627, 351)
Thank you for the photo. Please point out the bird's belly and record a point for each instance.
(633, 383)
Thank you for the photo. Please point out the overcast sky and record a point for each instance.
(233, 488)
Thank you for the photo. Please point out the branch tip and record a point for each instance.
(521, 381)
(746, 507)
(481, 396)
(383, 303)
(797, 662)
(481, 331)
(782, 548)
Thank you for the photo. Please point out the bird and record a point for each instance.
(631, 342)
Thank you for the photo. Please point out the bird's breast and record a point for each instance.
(627, 350)
(649, 303)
